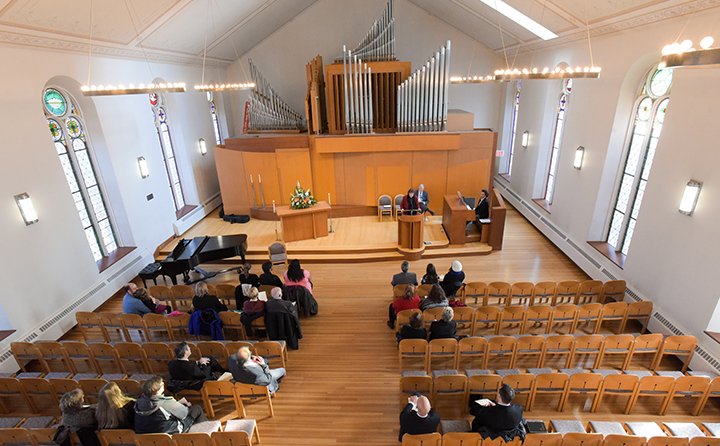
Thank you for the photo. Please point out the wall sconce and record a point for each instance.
(690, 197)
(525, 141)
(579, 155)
(143, 166)
(203, 146)
(27, 210)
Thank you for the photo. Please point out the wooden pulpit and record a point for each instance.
(410, 236)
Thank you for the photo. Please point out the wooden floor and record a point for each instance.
(342, 386)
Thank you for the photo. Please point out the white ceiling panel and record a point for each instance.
(595, 11)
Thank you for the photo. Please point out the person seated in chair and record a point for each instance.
(251, 369)
(413, 330)
(296, 276)
(445, 327)
(156, 413)
(424, 200)
(482, 209)
(404, 277)
(267, 277)
(418, 417)
(203, 300)
(410, 204)
(249, 280)
(131, 304)
(431, 276)
(453, 279)
(408, 301)
(252, 309)
(436, 298)
(188, 374)
(499, 418)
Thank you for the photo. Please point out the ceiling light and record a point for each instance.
(532, 73)
(690, 197)
(525, 141)
(203, 146)
(521, 19)
(27, 210)
(579, 155)
(111, 90)
(143, 167)
(223, 87)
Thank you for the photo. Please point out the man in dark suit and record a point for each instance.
(250, 369)
(404, 277)
(482, 210)
(424, 200)
(499, 418)
(418, 417)
(282, 320)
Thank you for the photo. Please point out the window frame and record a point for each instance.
(168, 161)
(560, 117)
(513, 128)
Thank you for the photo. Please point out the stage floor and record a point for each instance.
(355, 239)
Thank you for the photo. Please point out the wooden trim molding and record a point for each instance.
(608, 251)
(114, 257)
(184, 211)
(544, 205)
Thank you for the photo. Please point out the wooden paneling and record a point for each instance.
(388, 143)
(266, 143)
(234, 182)
(470, 168)
(293, 165)
(393, 172)
(430, 169)
(263, 164)
(323, 175)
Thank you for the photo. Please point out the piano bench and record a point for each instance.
(150, 272)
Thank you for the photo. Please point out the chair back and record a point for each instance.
(521, 293)
(464, 317)
(512, 317)
(497, 293)
(544, 293)
(484, 384)
(486, 319)
(192, 439)
(434, 439)
(589, 292)
(413, 349)
(153, 440)
(219, 392)
(160, 292)
(116, 437)
(90, 326)
(158, 355)
(132, 357)
(215, 350)
(403, 317)
(252, 392)
(470, 348)
(80, 357)
(623, 440)
(567, 292)
(613, 290)
(416, 384)
(18, 437)
(53, 356)
(106, 358)
(24, 352)
(277, 253)
(157, 327)
(476, 290)
(231, 322)
(461, 439)
(582, 439)
(553, 439)
(179, 326)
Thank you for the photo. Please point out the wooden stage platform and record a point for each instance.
(355, 239)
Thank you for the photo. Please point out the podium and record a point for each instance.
(303, 224)
(410, 236)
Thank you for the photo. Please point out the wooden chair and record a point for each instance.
(399, 290)
(182, 297)
(157, 328)
(589, 292)
(90, 326)
(158, 355)
(450, 387)
(582, 439)
(565, 315)
(484, 385)
(522, 383)
(13, 398)
(549, 384)
(397, 202)
(434, 439)
(226, 293)
(220, 393)
(647, 344)
(655, 387)
(443, 350)
(689, 387)
(424, 290)
(129, 387)
(384, 206)
(471, 349)
(44, 436)
(106, 358)
(639, 311)
(567, 292)
(61, 386)
(91, 388)
(80, 357)
(413, 349)
(153, 440)
(250, 392)
(588, 345)
(116, 437)
(704, 441)
(521, 293)
(677, 346)
(475, 290)
(192, 439)
(623, 440)
(585, 384)
(54, 357)
(24, 353)
(462, 439)
(528, 347)
(613, 291)
(161, 292)
(667, 441)
(464, 317)
(560, 345)
(271, 351)
(132, 358)
(538, 317)
(430, 315)
(544, 293)
(512, 318)
(410, 385)
(617, 345)
(41, 395)
(587, 314)
(113, 327)
(619, 386)
(486, 319)
(713, 391)
(614, 312)
(497, 293)
(134, 324)
(500, 348)
(21, 437)
(231, 322)
(178, 326)
(217, 350)
(403, 317)
(550, 439)
(233, 346)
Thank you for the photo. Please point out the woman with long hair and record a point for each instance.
(115, 410)
(436, 298)
(296, 276)
(431, 276)
(203, 299)
(408, 301)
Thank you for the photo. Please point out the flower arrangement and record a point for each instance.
(301, 199)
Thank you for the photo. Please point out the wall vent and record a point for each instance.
(582, 252)
(5, 356)
(530, 208)
(553, 227)
(632, 295)
(708, 357)
(30, 337)
(124, 268)
(609, 274)
(517, 197)
(667, 324)
(71, 307)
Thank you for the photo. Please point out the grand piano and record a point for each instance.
(190, 253)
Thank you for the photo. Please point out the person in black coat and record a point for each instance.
(445, 327)
(186, 373)
(499, 418)
(281, 320)
(413, 330)
(203, 300)
(268, 278)
(453, 279)
(418, 417)
(482, 209)
(246, 278)
(431, 276)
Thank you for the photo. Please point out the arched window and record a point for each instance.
(557, 138)
(513, 127)
(650, 108)
(158, 106)
(214, 116)
(71, 144)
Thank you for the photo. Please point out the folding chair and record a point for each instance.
(647, 344)
(486, 320)
(226, 294)
(589, 292)
(220, 393)
(471, 348)
(521, 293)
(450, 387)
(689, 387)
(613, 312)
(500, 348)
(558, 345)
(639, 311)
(587, 314)
(564, 314)
(158, 356)
(182, 297)
(614, 291)
(24, 353)
(129, 387)
(443, 350)
(19, 437)
(403, 318)
(61, 386)
(413, 349)
(53, 357)
(157, 328)
(250, 392)
(434, 439)
(424, 290)
(132, 358)
(134, 324)
(549, 384)
(667, 441)
(522, 383)
(41, 395)
(543, 439)
(476, 290)
(544, 293)
(585, 346)
(677, 346)
(116, 437)
(464, 318)
(178, 326)
(91, 388)
(462, 439)
(585, 384)
(538, 317)
(237, 433)
(582, 439)
(512, 318)
(272, 351)
(410, 385)
(90, 326)
(655, 387)
(713, 391)
(217, 350)
(161, 292)
(430, 315)
(623, 440)
(497, 293)
(80, 357)
(704, 441)
(484, 385)
(231, 322)
(617, 345)
(528, 347)
(113, 327)
(106, 358)
(567, 292)
(153, 440)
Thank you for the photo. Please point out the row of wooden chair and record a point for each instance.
(544, 351)
(529, 293)
(180, 297)
(458, 387)
(565, 318)
(127, 358)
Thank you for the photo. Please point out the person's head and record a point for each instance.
(416, 320)
(409, 292)
(447, 314)
(141, 293)
(295, 271)
(423, 405)
(436, 294)
(267, 267)
(245, 269)
(244, 354)
(276, 293)
(421, 188)
(131, 288)
(505, 394)
(153, 386)
(182, 350)
(456, 266)
(201, 289)
(253, 294)
(111, 400)
(405, 266)
(72, 401)
(411, 192)
(430, 270)
(484, 194)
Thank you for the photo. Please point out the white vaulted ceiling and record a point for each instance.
(179, 30)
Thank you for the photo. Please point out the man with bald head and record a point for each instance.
(418, 417)
(251, 369)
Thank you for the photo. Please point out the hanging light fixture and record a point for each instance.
(690, 197)
(683, 54)
(27, 210)
(579, 155)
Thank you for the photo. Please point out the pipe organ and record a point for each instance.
(379, 42)
(266, 110)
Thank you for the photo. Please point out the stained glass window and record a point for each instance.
(68, 134)
(648, 120)
(214, 117)
(557, 138)
(513, 127)
(166, 145)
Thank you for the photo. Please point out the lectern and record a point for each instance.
(410, 236)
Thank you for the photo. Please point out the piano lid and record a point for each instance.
(186, 249)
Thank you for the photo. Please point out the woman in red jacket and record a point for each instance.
(410, 203)
(408, 301)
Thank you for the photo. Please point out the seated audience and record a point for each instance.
(453, 279)
(445, 327)
(413, 330)
(203, 300)
(76, 415)
(251, 310)
(424, 200)
(431, 276)
(250, 369)
(282, 320)
(410, 204)
(115, 410)
(267, 277)
(499, 418)
(404, 277)
(186, 373)
(249, 280)
(436, 298)
(418, 417)
(133, 305)
(157, 413)
(151, 302)
(408, 301)
(296, 276)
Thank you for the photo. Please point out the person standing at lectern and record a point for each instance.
(424, 199)
(410, 204)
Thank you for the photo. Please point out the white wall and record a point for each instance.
(673, 259)
(325, 26)
(47, 266)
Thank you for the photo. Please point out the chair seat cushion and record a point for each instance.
(713, 428)
(475, 372)
(454, 426)
(28, 375)
(506, 372)
(406, 373)
(436, 373)
(566, 426)
(206, 426)
(606, 372)
(688, 430)
(536, 371)
(674, 373)
(573, 371)
(246, 426)
(57, 375)
(710, 375)
(638, 373)
(645, 429)
(37, 422)
(80, 376)
(607, 427)
(9, 422)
